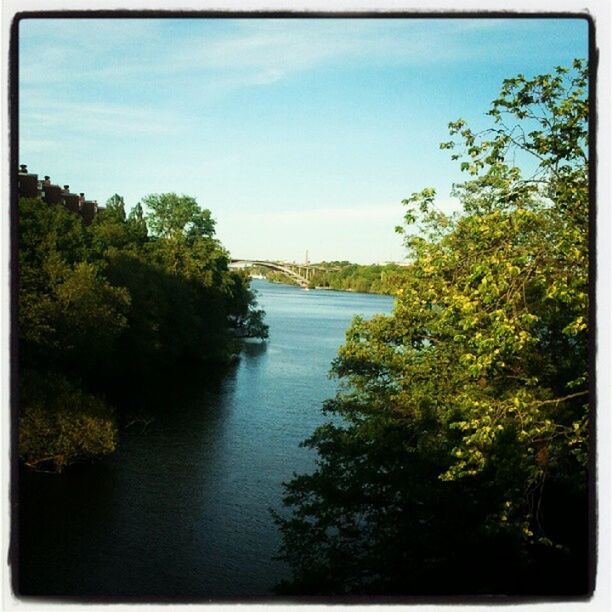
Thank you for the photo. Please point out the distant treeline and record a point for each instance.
(347, 276)
(101, 307)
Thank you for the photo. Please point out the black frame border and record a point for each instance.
(13, 108)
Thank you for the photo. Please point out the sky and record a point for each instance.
(299, 135)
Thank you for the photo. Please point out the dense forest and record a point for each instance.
(347, 276)
(106, 305)
(459, 463)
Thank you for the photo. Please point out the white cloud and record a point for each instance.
(43, 115)
(258, 51)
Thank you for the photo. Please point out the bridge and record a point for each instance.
(300, 273)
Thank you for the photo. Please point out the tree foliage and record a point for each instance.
(105, 305)
(60, 423)
(172, 217)
(459, 464)
(247, 319)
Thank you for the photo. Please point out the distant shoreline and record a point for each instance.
(323, 288)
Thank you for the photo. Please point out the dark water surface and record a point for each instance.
(182, 508)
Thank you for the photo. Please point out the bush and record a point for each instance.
(60, 423)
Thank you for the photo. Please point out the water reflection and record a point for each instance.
(253, 349)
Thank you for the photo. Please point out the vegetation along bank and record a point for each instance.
(107, 298)
(457, 458)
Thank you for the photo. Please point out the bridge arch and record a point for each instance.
(275, 265)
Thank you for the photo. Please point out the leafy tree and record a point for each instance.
(66, 304)
(115, 207)
(184, 238)
(172, 216)
(61, 423)
(89, 312)
(276, 276)
(69, 320)
(137, 225)
(246, 319)
(109, 230)
(103, 306)
(463, 436)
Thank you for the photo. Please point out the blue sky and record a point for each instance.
(297, 134)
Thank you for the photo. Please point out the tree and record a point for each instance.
(464, 413)
(172, 216)
(102, 306)
(88, 312)
(184, 237)
(109, 231)
(69, 321)
(245, 318)
(60, 423)
(137, 225)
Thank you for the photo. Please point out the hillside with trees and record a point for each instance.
(106, 305)
(456, 461)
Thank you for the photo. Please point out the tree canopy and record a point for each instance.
(457, 458)
(174, 216)
(103, 306)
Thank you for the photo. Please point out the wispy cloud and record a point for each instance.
(67, 64)
(38, 145)
(259, 51)
(94, 118)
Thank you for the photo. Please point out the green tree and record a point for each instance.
(245, 317)
(61, 423)
(66, 304)
(69, 321)
(103, 306)
(137, 226)
(89, 312)
(109, 230)
(183, 238)
(172, 216)
(345, 276)
(463, 436)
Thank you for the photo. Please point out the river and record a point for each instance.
(182, 509)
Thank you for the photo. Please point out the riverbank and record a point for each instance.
(322, 288)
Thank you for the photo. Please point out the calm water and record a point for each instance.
(182, 508)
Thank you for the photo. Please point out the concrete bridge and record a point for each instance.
(301, 273)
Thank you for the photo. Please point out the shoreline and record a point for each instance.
(323, 288)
